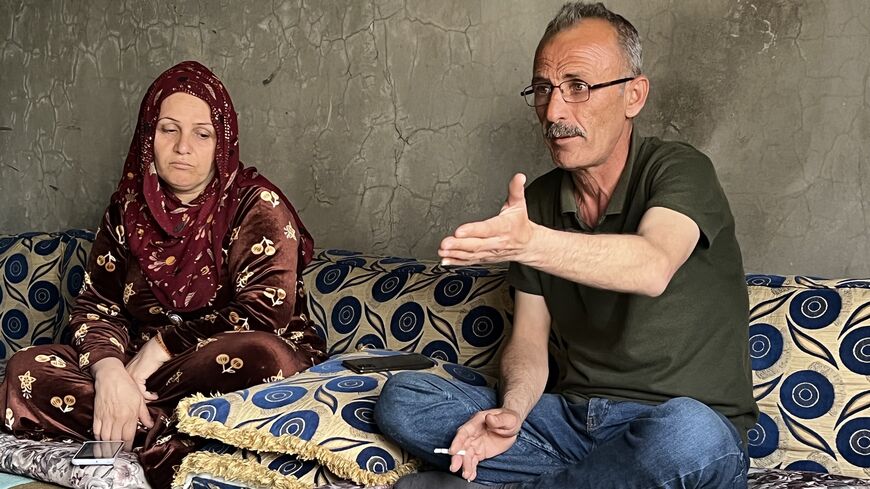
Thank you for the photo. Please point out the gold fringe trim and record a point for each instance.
(253, 439)
(234, 469)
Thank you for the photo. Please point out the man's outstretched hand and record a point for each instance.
(505, 237)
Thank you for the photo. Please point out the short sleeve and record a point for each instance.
(686, 182)
(524, 278)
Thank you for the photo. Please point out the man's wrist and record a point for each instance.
(534, 253)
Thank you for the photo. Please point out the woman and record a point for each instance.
(193, 285)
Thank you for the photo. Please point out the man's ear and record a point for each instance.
(636, 92)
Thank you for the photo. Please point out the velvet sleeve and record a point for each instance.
(99, 320)
(261, 261)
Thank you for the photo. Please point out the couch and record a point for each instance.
(809, 346)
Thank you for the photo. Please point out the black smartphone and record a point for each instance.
(405, 361)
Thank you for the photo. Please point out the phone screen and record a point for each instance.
(92, 451)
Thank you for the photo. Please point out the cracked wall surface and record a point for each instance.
(390, 122)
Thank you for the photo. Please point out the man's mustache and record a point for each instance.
(563, 130)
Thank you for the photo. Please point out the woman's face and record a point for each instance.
(184, 144)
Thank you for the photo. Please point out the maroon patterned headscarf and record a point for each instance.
(177, 246)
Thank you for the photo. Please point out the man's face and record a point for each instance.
(590, 52)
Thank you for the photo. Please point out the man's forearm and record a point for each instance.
(524, 374)
(618, 262)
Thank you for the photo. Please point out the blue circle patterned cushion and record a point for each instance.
(809, 345)
(325, 414)
(40, 276)
(459, 315)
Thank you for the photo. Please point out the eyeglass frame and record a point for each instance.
(529, 89)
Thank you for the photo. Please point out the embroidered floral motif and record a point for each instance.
(239, 323)
(107, 261)
(119, 234)
(27, 381)
(65, 404)
(117, 343)
(277, 295)
(229, 366)
(80, 334)
(92, 317)
(10, 419)
(163, 439)
(235, 234)
(242, 278)
(212, 317)
(270, 197)
(129, 197)
(88, 279)
(54, 360)
(276, 377)
(84, 359)
(264, 246)
(155, 310)
(112, 310)
(128, 292)
(202, 343)
(176, 377)
(289, 231)
(157, 263)
(290, 343)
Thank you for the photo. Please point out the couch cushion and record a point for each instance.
(322, 414)
(457, 315)
(810, 352)
(42, 274)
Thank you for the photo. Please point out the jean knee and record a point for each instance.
(702, 430)
(400, 400)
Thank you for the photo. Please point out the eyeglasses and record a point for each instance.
(538, 94)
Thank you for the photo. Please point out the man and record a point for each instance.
(628, 250)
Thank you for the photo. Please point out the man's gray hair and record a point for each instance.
(573, 12)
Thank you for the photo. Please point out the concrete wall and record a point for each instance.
(389, 122)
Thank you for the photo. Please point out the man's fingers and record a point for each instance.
(468, 464)
(472, 245)
(492, 227)
(516, 190)
(97, 426)
(455, 463)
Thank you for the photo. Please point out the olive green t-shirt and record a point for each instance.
(692, 340)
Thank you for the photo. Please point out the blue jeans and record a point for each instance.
(598, 444)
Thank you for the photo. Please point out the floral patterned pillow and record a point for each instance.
(324, 414)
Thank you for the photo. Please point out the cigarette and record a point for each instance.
(446, 451)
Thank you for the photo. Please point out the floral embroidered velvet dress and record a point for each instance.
(218, 280)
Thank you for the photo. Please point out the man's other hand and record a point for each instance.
(487, 434)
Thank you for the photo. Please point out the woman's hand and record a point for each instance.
(118, 403)
(150, 357)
